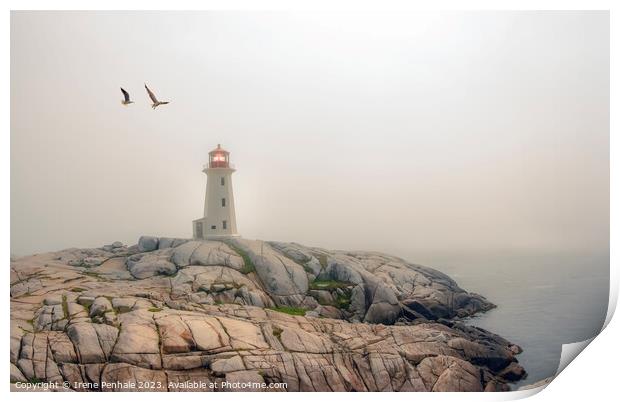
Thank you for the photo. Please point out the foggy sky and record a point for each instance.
(389, 132)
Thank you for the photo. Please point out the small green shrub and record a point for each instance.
(343, 301)
(328, 284)
(248, 265)
(289, 310)
(65, 306)
(277, 332)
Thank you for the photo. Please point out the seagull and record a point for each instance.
(154, 99)
(127, 101)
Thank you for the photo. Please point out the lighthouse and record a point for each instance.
(219, 213)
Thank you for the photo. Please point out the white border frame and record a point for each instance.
(601, 380)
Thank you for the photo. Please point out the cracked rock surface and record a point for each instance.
(168, 311)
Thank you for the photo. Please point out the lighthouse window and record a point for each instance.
(223, 202)
(223, 224)
(222, 181)
(212, 226)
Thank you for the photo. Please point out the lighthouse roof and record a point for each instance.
(219, 149)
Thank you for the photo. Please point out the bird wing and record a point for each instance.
(125, 94)
(151, 94)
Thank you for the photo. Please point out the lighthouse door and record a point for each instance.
(199, 230)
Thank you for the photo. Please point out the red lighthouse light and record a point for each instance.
(218, 158)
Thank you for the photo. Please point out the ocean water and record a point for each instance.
(543, 300)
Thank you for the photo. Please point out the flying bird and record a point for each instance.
(154, 98)
(126, 101)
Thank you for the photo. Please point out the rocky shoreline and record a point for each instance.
(173, 311)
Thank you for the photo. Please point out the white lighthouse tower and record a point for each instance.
(219, 214)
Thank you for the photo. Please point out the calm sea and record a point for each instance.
(543, 301)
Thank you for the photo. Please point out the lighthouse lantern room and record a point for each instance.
(219, 212)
